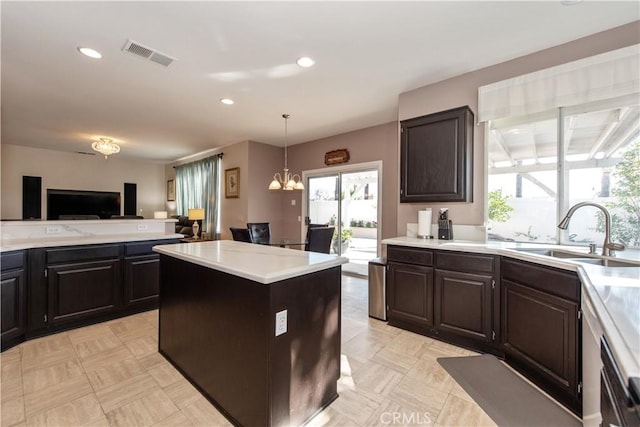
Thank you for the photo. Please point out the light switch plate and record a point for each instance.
(281, 322)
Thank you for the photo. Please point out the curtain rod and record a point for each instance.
(220, 155)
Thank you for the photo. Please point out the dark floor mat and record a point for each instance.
(503, 395)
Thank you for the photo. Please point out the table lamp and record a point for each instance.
(196, 215)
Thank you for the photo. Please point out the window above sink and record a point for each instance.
(540, 165)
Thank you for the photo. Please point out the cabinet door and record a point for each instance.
(12, 298)
(462, 304)
(141, 279)
(436, 157)
(410, 294)
(83, 290)
(540, 333)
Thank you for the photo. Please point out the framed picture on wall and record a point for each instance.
(232, 183)
(171, 190)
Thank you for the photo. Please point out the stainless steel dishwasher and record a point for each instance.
(377, 288)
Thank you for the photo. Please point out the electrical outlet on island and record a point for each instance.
(281, 322)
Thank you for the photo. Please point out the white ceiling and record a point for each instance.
(366, 53)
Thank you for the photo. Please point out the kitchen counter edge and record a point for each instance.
(260, 263)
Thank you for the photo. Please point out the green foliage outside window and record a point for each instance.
(345, 235)
(625, 207)
(499, 208)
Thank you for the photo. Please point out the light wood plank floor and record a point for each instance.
(111, 374)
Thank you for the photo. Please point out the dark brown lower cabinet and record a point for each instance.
(74, 286)
(463, 305)
(540, 328)
(454, 301)
(83, 290)
(141, 279)
(12, 298)
(410, 295)
(466, 299)
(525, 312)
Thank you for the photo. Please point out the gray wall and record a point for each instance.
(364, 145)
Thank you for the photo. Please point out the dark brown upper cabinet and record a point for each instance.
(436, 157)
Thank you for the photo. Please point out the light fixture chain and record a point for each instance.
(287, 181)
(286, 119)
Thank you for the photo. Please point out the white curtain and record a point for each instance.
(605, 76)
(198, 186)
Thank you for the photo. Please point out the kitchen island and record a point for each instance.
(255, 328)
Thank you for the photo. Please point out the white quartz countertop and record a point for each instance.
(17, 244)
(613, 291)
(260, 263)
(16, 235)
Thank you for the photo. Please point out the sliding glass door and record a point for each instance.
(347, 198)
(323, 197)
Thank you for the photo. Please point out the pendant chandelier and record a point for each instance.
(106, 146)
(286, 181)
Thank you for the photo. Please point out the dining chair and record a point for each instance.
(260, 232)
(310, 226)
(240, 234)
(317, 225)
(319, 239)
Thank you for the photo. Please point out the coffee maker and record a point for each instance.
(445, 226)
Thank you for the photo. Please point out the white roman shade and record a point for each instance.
(605, 76)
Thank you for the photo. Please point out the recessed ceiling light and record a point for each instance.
(305, 62)
(91, 53)
(570, 2)
(226, 101)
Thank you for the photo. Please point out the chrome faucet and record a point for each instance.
(608, 247)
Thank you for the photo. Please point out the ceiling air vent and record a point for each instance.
(146, 52)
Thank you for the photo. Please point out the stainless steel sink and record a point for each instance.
(581, 257)
(606, 262)
(556, 253)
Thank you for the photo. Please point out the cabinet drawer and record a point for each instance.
(410, 255)
(82, 253)
(546, 279)
(11, 260)
(144, 248)
(469, 263)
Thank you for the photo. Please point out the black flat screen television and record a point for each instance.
(74, 202)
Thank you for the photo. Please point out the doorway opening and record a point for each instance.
(347, 198)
